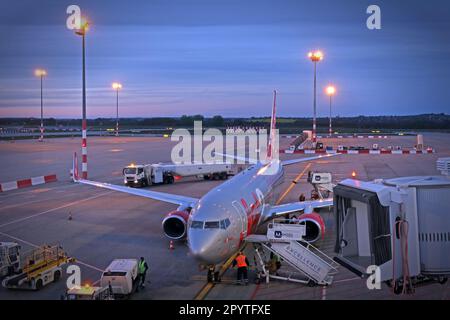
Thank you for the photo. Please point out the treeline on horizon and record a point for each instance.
(423, 121)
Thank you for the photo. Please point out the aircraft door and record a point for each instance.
(242, 218)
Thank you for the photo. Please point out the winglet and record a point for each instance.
(75, 167)
(273, 120)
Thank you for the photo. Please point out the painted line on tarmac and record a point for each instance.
(36, 246)
(55, 209)
(293, 183)
(255, 292)
(29, 191)
(345, 280)
(207, 287)
(324, 293)
(11, 206)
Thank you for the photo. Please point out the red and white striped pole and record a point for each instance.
(84, 150)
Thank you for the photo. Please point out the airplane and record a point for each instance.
(216, 225)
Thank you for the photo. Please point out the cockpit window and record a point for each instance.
(225, 223)
(212, 225)
(222, 224)
(129, 171)
(197, 225)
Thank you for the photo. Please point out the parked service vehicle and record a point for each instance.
(35, 269)
(88, 292)
(9, 258)
(319, 146)
(166, 173)
(121, 276)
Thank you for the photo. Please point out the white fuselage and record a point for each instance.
(221, 219)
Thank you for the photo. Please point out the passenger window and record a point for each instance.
(197, 225)
(212, 225)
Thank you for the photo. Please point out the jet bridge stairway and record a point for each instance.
(308, 265)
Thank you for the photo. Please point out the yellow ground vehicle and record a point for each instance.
(37, 268)
(89, 293)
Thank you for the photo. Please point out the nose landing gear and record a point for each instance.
(213, 275)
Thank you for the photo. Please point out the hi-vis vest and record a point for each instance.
(141, 266)
(240, 259)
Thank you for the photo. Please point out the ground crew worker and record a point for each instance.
(242, 263)
(142, 270)
(314, 195)
(275, 263)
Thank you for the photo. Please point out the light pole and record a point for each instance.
(315, 57)
(330, 90)
(82, 32)
(117, 86)
(41, 73)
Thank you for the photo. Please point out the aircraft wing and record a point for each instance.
(161, 196)
(292, 161)
(235, 157)
(284, 162)
(283, 209)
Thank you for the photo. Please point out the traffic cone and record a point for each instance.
(171, 247)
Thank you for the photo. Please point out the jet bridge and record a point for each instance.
(304, 263)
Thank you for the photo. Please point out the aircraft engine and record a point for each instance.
(174, 224)
(315, 226)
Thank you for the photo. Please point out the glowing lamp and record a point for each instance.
(315, 56)
(40, 72)
(330, 90)
(117, 86)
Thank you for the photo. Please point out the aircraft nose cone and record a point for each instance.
(204, 247)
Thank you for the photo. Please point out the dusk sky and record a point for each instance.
(212, 57)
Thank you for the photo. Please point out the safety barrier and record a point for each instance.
(364, 151)
(19, 184)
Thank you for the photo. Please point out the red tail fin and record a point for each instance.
(273, 121)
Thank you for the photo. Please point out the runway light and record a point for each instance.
(353, 174)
